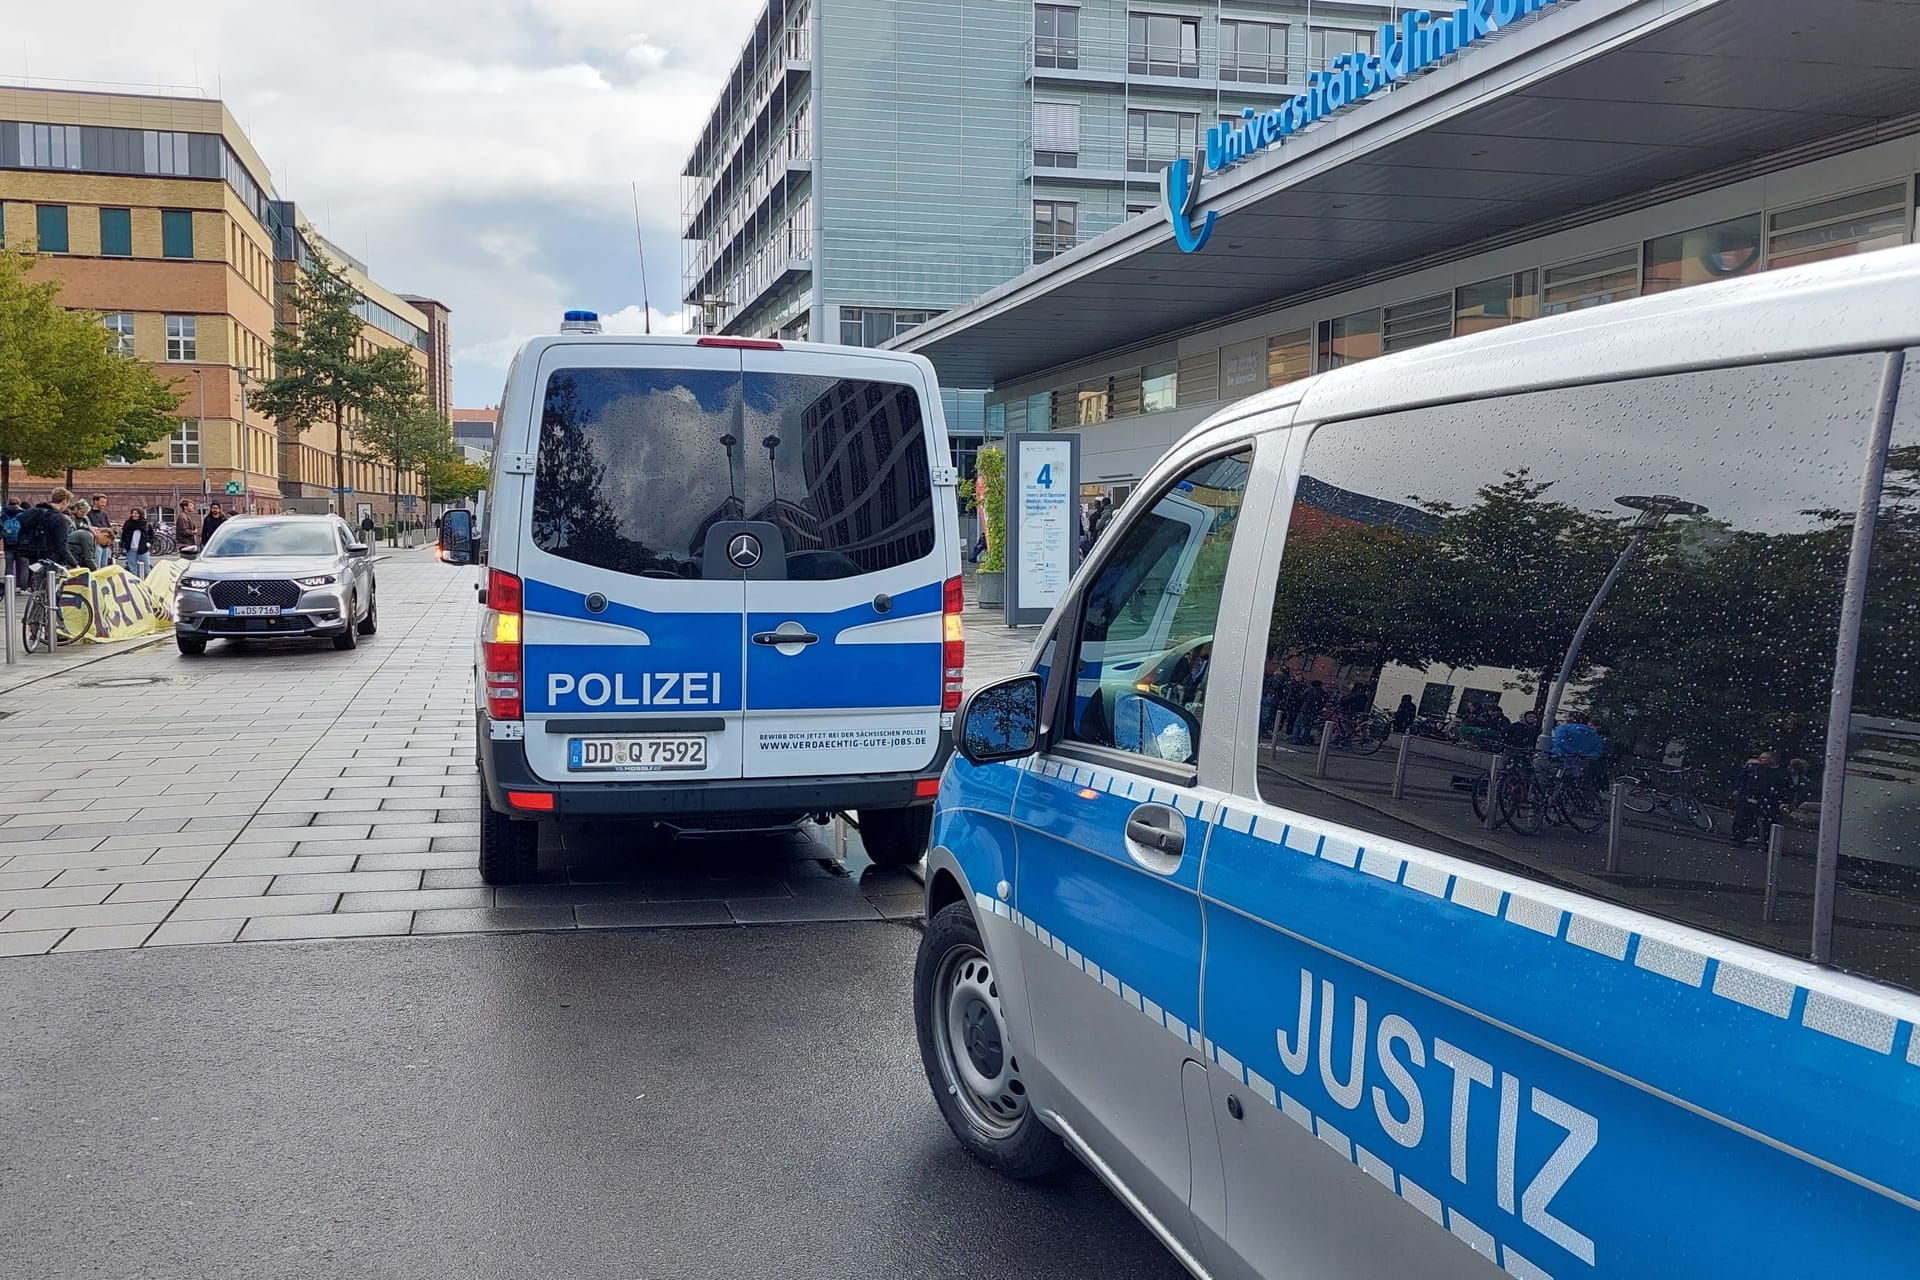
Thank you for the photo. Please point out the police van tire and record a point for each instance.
(509, 850)
(896, 837)
(955, 994)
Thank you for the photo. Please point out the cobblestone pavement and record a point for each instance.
(292, 791)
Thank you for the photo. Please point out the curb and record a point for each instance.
(132, 646)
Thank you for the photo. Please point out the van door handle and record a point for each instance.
(1156, 838)
(785, 637)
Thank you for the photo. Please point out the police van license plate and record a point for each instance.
(651, 751)
(254, 611)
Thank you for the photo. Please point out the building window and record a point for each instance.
(876, 326)
(1348, 339)
(1135, 210)
(50, 146)
(1163, 44)
(1155, 139)
(1289, 357)
(183, 446)
(1324, 44)
(116, 232)
(181, 341)
(1415, 324)
(996, 421)
(1160, 386)
(1490, 304)
(176, 233)
(120, 325)
(50, 228)
(1056, 134)
(165, 153)
(1592, 282)
(1054, 227)
(1702, 255)
(1255, 52)
(1839, 227)
(1093, 402)
(1056, 36)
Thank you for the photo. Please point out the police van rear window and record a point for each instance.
(636, 465)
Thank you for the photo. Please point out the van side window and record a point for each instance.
(1877, 909)
(1437, 568)
(1146, 630)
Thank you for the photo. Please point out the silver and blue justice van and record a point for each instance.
(1605, 962)
(721, 589)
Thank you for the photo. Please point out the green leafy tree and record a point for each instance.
(451, 478)
(404, 434)
(322, 376)
(68, 399)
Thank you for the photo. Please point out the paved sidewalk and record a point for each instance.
(266, 792)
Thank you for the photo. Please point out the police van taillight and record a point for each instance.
(953, 649)
(500, 661)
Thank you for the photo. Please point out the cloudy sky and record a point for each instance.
(477, 151)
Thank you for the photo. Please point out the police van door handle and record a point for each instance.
(1156, 837)
(785, 637)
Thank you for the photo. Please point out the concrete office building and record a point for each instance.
(158, 213)
(1578, 153)
(872, 163)
(475, 428)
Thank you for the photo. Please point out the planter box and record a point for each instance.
(991, 589)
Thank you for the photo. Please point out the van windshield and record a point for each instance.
(637, 465)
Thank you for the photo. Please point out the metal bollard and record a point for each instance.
(1616, 825)
(13, 628)
(1273, 743)
(1326, 746)
(1494, 771)
(1400, 768)
(1776, 842)
(53, 609)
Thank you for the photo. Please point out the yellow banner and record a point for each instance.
(111, 604)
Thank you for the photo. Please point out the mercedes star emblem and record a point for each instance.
(744, 550)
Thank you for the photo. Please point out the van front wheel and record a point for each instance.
(896, 837)
(509, 850)
(968, 1056)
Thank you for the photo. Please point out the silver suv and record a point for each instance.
(277, 577)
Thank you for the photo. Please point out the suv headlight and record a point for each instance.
(196, 584)
(320, 580)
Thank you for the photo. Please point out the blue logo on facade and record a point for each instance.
(1411, 45)
(1183, 193)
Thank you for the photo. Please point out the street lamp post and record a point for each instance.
(200, 432)
(1652, 512)
(246, 451)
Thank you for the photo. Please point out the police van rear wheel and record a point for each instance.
(896, 837)
(509, 850)
(967, 1055)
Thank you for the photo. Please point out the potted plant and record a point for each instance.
(990, 579)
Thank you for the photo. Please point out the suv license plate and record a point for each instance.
(255, 611)
(648, 752)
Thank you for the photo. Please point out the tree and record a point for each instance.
(404, 434)
(451, 478)
(322, 374)
(68, 399)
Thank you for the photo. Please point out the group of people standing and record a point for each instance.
(79, 533)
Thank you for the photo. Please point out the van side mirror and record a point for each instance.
(1001, 721)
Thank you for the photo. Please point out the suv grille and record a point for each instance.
(228, 594)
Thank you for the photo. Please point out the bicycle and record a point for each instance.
(1680, 803)
(38, 620)
(163, 541)
(1565, 796)
(1363, 734)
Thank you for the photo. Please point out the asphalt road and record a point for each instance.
(689, 1103)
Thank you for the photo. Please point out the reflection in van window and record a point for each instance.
(841, 466)
(1877, 911)
(637, 465)
(1453, 551)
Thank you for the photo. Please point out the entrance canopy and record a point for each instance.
(1588, 105)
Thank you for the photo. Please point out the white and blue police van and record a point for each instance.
(721, 590)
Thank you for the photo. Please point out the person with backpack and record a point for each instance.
(136, 539)
(44, 529)
(10, 528)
